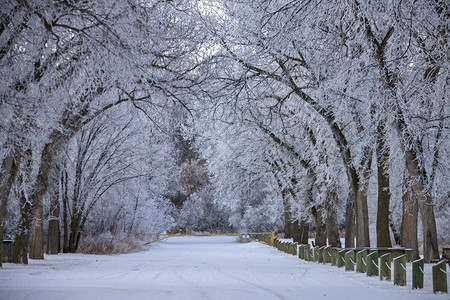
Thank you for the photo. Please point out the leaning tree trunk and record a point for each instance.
(384, 197)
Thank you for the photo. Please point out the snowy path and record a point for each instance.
(193, 268)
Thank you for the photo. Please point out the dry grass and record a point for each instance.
(107, 243)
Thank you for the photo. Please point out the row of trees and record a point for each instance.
(328, 112)
(332, 105)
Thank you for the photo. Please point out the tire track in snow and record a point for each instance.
(253, 284)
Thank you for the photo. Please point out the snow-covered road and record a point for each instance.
(193, 268)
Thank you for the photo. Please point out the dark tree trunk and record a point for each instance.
(8, 175)
(53, 239)
(319, 222)
(287, 220)
(20, 250)
(350, 222)
(383, 235)
(408, 237)
(304, 231)
(361, 209)
(296, 231)
(37, 233)
(65, 203)
(74, 232)
(331, 221)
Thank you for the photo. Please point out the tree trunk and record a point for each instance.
(321, 228)
(361, 209)
(287, 218)
(295, 231)
(300, 231)
(304, 231)
(383, 235)
(8, 175)
(37, 233)
(20, 250)
(53, 235)
(350, 222)
(408, 238)
(65, 203)
(75, 223)
(331, 220)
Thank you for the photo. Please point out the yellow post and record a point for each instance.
(272, 237)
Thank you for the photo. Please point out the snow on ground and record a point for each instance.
(194, 268)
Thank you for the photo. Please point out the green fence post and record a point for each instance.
(440, 277)
(361, 261)
(372, 264)
(340, 259)
(327, 254)
(321, 254)
(333, 258)
(316, 254)
(417, 274)
(400, 270)
(295, 249)
(306, 252)
(385, 266)
(350, 260)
